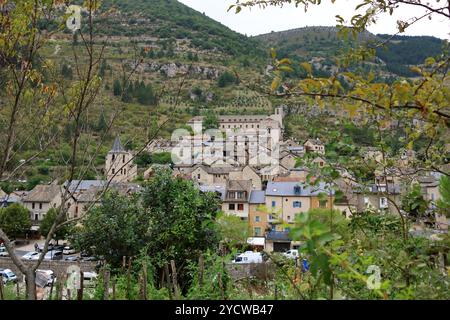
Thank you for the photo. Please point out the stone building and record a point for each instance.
(119, 164)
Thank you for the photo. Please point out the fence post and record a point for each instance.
(106, 285)
(201, 268)
(81, 290)
(222, 295)
(18, 290)
(51, 289)
(166, 274)
(174, 280)
(129, 279)
(114, 288)
(144, 275)
(2, 297)
(61, 281)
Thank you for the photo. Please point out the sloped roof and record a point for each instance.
(257, 197)
(221, 170)
(43, 193)
(287, 189)
(314, 141)
(378, 189)
(79, 185)
(217, 189)
(238, 185)
(117, 146)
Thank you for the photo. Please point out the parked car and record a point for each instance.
(32, 255)
(89, 259)
(53, 255)
(89, 279)
(3, 252)
(50, 275)
(69, 250)
(8, 275)
(291, 254)
(51, 246)
(248, 257)
(72, 258)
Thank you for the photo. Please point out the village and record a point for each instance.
(258, 177)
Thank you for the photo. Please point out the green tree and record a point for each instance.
(226, 79)
(120, 216)
(145, 94)
(47, 222)
(102, 125)
(444, 188)
(161, 158)
(117, 88)
(414, 203)
(211, 121)
(15, 220)
(181, 221)
(233, 230)
(66, 71)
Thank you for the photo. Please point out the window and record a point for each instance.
(231, 206)
(123, 159)
(240, 195)
(40, 206)
(323, 203)
(232, 195)
(270, 217)
(289, 217)
(297, 204)
(274, 204)
(257, 231)
(383, 203)
(113, 157)
(36, 217)
(124, 171)
(257, 219)
(240, 207)
(198, 176)
(33, 205)
(297, 190)
(113, 171)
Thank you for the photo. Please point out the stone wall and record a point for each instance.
(58, 267)
(262, 271)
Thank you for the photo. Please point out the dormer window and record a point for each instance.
(297, 190)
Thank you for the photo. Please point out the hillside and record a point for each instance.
(150, 19)
(321, 45)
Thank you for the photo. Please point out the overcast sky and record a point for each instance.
(258, 21)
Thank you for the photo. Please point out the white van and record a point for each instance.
(291, 254)
(248, 257)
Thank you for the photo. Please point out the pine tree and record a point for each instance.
(117, 88)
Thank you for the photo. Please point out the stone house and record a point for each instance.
(41, 199)
(287, 199)
(314, 145)
(206, 175)
(379, 198)
(237, 198)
